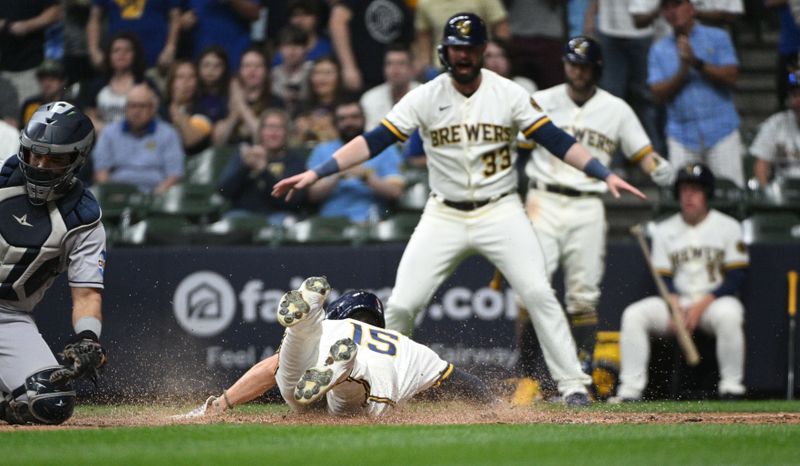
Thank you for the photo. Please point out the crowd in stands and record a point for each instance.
(281, 85)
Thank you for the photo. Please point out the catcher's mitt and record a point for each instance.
(82, 356)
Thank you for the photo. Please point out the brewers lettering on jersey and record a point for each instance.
(473, 112)
(564, 203)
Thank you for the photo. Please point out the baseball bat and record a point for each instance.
(497, 281)
(684, 339)
(792, 308)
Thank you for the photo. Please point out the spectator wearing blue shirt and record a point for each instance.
(788, 47)
(693, 71)
(361, 192)
(414, 152)
(154, 22)
(306, 15)
(225, 23)
(141, 150)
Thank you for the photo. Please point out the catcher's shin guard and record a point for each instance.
(47, 403)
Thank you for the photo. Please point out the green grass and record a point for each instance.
(495, 444)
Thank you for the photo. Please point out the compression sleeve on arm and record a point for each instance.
(732, 282)
(326, 168)
(380, 138)
(552, 138)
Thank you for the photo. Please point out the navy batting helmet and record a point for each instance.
(462, 29)
(582, 50)
(359, 305)
(695, 173)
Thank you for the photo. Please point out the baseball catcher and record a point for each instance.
(50, 224)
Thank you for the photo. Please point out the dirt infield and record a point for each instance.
(416, 414)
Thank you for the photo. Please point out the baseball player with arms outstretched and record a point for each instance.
(564, 204)
(700, 255)
(344, 356)
(468, 119)
(49, 223)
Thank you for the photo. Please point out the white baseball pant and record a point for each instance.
(724, 158)
(723, 318)
(572, 231)
(23, 351)
(501, 232)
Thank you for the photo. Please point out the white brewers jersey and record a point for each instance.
(602, 124)
(778, 142)
(698, 256)
(468, 140)
(390, 367)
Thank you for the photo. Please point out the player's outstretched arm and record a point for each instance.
(349, 155)
(254, 382)
(580, 158)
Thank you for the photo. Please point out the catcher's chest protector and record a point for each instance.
(31, 236)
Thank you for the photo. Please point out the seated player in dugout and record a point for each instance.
(703, 261)
(343, 356)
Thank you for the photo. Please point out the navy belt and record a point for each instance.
(563, 190)
(472, 205)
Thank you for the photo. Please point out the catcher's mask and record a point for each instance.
(53, 147)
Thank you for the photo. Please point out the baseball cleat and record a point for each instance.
(318, 381)
(292, 308)
(209, 408)
(577, 400)
(315, 290)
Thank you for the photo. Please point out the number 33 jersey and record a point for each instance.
(389, 369)
(468, 140)
(698, 256)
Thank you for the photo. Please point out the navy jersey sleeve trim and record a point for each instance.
(551, 137)
(380, 138)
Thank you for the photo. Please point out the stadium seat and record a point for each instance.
(197, 202)
(771, 227)
(414, 197)
(627, 211)
(159, 231)
(396, 228)
(234, 230)
(790, 190)
(729, 198)
(117, 198)
(207, 166)
(325, 230)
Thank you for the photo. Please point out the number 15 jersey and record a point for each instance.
(389, 370)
